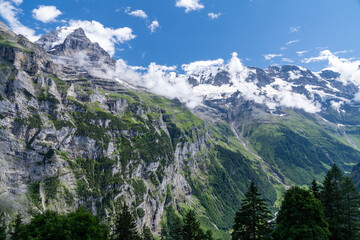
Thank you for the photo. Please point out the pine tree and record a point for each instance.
(176, 230)
(146, 234)
(125, 226)
(252, 220)
(17, 228)
(191, 229)
(351, 209)
(315, 189)
(3, 226)
(332, 200)
(300, 217)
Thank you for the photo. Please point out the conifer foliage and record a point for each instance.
(341, 201)
(300, 217)
(50, 225)
(252, 220)
(332, 200)
(188, 229)
(315, 189)
(125, 226)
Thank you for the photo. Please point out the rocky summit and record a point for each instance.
(70, 138)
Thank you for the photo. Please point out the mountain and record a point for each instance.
(70, 138)
(75, 50)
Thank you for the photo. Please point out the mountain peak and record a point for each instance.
(79, 31)
(79, 35)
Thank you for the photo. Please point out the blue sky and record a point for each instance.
(175, 32)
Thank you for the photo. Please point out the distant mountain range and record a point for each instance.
(74, 130)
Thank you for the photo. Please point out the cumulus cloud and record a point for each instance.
(154, 25)
(164, 81)
(158, 79)
(197, 66)
(136, 13)
(10, 13)
(214, 15)
(141, 14)
(106, 37)
(189, 5)
(294, 29)
(271, 56)
(46, 14)
(349, 70)
(292, 42)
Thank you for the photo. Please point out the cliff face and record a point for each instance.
(68, 139)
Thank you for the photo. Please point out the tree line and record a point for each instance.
(330, 211)
(81, 225)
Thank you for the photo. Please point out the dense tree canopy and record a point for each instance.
(341, 201)
(50, 225)
(300, 217)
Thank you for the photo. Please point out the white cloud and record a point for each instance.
(301, 53)
(96, 32)
(136, 13)
(141, 14)
(163, 81)
(214, 15)
(154, 25)
(292, 42)
(343, 51)
(271, 56)
(10, 13)
(189, 5)
(201, 65)
(166, 81)
(294, 29)
(17, 2)
(46, 14)
(349, 70)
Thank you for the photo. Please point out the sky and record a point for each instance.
(177, 32)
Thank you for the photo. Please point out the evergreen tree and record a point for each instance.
(176, 230)
(351, 209)
(300, 217)
(17, 232)
(332, 199)
(252, 220)
(84, 225)
(315, 189)
(191, 229)
(3, 226)
(125, 225)
(208, 235)
(146, 234)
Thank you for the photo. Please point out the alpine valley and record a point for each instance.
(77, 131)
